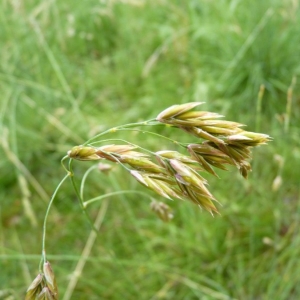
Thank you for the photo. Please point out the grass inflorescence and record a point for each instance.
(70, 70)
(177, 175)
(174, 176)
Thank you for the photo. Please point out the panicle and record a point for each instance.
(226, 142)
(176, 175)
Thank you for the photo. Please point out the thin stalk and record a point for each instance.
(43, 259)
(79, 196)
(153, 133)
(84, 179)
(62, 163)
(88, 202)
(114, 129)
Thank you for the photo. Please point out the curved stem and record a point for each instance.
(114, 129)
(78, 195)
(63, 165)
(84, 179)
(86, 203)
(43, 259)
(154, 133)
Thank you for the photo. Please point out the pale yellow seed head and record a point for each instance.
(83, 153)
(175, 110)
(50, 279)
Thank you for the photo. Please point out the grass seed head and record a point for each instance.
(158, 186)
(141, 164)
(208, 156)
(168, 114)
(162, 210)
(50, 279)
(140, 177)
(117, 148)
(176, 155)
(201, 200)
(161, 185)
(176, 175)
(115, 152)
(187, 172)
(195, 131)
(247, 138)
(83, 153)
(199, 115)
(34, 288)
(43, 286)
(189, 177)
(164, 188)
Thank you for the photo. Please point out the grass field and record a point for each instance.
(71, 69)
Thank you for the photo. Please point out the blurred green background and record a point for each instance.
(71, 69)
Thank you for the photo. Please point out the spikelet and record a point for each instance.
(43, 286)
